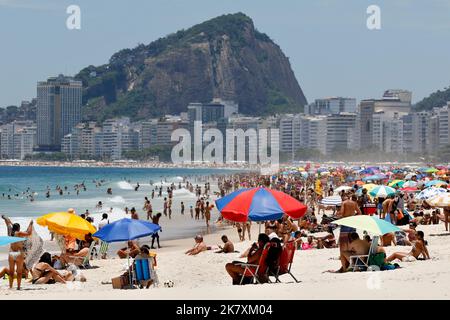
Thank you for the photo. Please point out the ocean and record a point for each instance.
(15, 181)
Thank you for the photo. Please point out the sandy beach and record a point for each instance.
(204, 277)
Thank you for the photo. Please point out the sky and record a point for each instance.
(330, 48)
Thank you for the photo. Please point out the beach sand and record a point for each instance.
(203, 276)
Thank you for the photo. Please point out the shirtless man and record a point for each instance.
(228, 246)
(349, 208)
(387, 239)
(356, 247)
(419, 248)
(199, 246)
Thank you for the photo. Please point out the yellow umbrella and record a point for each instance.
(66, 224)
(369, 186)
(396, 182)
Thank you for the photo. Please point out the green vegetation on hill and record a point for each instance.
(224, 57)
(435, 100)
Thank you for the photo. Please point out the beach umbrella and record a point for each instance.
(359, 183)
(66, 224)
(430, 192)
(375, 226)
(126, 229)
(369, 186)
(332, 201)
(342, 188)
(409, 189)
(396, 183)
(431, 170)
(437, 183)
(5, 240)
(259, 204)
(409, 184)
(382, 192)
(441, 200)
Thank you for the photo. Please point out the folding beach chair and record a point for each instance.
(361, 262)
(103, 250)
(285, 262)
(85, 263)
(143, 272)
(256, 271)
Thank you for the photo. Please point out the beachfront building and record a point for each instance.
(338, 131)
(17, 139)
(333, 105)
(58, 110)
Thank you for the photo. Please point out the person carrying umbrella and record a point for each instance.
(16, 256)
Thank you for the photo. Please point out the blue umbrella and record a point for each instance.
(126, 229)
(8, 240)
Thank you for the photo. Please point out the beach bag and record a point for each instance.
(399, 215)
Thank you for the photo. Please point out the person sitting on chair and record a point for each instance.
(131, 250)
(77, 258)
(235, 268)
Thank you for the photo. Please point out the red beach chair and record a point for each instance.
(256, 271)
(286, 259)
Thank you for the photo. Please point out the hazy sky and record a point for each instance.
(328, 44)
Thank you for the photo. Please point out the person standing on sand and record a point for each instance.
(208, 209)
(155, 220)
(191, 209)
(165, 207)
(16, 256)
(182, 207)
(349, 208)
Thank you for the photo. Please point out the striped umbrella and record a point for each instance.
(370, 186)
(332, 201)
(382, 192)
(374, 225)
(430, 192)
(436, 183)
(259, 204)
(441, 200)
(409, 189)
(409, 184)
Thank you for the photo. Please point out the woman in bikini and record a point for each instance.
(16, 256)
(44, 273)
(271, 226)
(419, 248)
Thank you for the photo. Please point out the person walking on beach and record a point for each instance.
(191, 209)
(197, 210)
(155, 235)
(182, 207)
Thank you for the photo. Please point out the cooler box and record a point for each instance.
(369, 209)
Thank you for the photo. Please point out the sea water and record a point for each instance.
(16, 180)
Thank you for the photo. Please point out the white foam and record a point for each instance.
(117, 199)
(124, 185)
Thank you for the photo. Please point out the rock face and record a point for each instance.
(225, 57)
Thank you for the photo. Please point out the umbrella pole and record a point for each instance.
(259, 226)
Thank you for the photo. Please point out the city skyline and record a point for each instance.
(335, 42)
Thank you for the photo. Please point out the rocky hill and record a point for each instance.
(224, 57)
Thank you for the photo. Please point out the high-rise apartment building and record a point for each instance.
(58, 110)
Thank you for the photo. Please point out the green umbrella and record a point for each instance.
(373, 225)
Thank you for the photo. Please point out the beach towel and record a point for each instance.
(34, 248)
